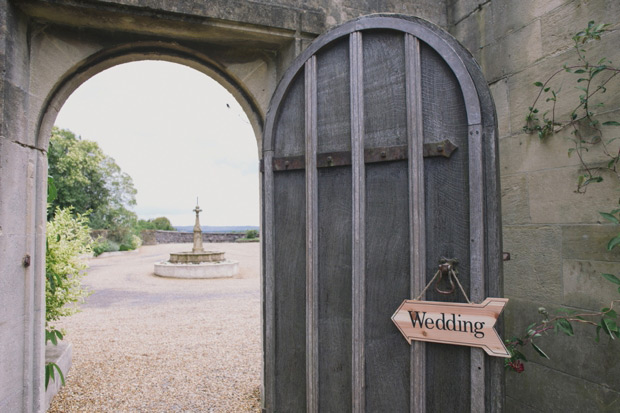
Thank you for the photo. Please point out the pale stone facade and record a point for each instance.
(49, 47)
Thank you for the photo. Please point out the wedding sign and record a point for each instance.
(460, 324)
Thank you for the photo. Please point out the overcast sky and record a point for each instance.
(178, 134)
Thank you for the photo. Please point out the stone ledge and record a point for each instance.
(62, 355)
(223, 269)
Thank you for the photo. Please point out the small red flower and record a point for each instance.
(517, 366)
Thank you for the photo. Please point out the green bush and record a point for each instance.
(131, 242)
(160, 223)
(67, 239)
(101, 245)
(251, 234)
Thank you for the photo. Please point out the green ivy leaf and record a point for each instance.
(565, 326)
(609, 217)
(539, 84)
(610, 327)
(612, 278)
(613, 242)
(540, 352)
(611, 123)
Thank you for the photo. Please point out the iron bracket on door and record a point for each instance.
(443, 148)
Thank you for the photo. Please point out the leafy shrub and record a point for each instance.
(131, 242)
(160, 223)
(251, 234)
(101, 245)
(67, 239)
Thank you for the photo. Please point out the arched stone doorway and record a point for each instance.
(51, 63)
(146, 51)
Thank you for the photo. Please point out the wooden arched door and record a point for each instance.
(379, 158)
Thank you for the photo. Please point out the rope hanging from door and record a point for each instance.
(446, 266)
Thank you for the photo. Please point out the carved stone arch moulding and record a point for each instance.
(110, 57)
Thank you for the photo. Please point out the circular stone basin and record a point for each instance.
(222, 269)
(196, 257)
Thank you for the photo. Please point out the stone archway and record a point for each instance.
(169, 52)
(51, 59)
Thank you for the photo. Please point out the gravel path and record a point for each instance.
(143, 343)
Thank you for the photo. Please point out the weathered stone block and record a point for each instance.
(17, 174)
(489, 58)
(521, 48)
(11, 360)
(12, 251)
(460, 9)
(588, 242)
(515, 201)
(551, 389)
(434, 11)
(513, 15)
(584, 287)
(534, 271)
(527, 153)
(475, 30)
(579, 355)
(562, 23)
(259, 77)
(523, 93)
(546, 390)
(15, 124)
(277, 14)
(553, 198)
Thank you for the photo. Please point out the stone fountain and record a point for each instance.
(198, 263)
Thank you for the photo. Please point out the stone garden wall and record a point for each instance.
(153, 237)
(556, 237)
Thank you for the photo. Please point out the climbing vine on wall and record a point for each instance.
(591, 76)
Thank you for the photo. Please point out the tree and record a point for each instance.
(91, 182)
(160, 223)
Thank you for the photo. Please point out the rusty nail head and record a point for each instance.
(26, 261)
(330, 161)
(439, 148)
(286, 164)
(383, 154)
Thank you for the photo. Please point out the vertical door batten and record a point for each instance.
(312, 256)
(359, 191)
(477, 265)
(416, 210)
(268, 288)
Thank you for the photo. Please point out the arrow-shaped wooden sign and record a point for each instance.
(453, 323)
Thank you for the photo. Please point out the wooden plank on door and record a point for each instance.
(334, 231)
(447, 221)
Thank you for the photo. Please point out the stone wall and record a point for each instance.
(153, 237)
(556, 237)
